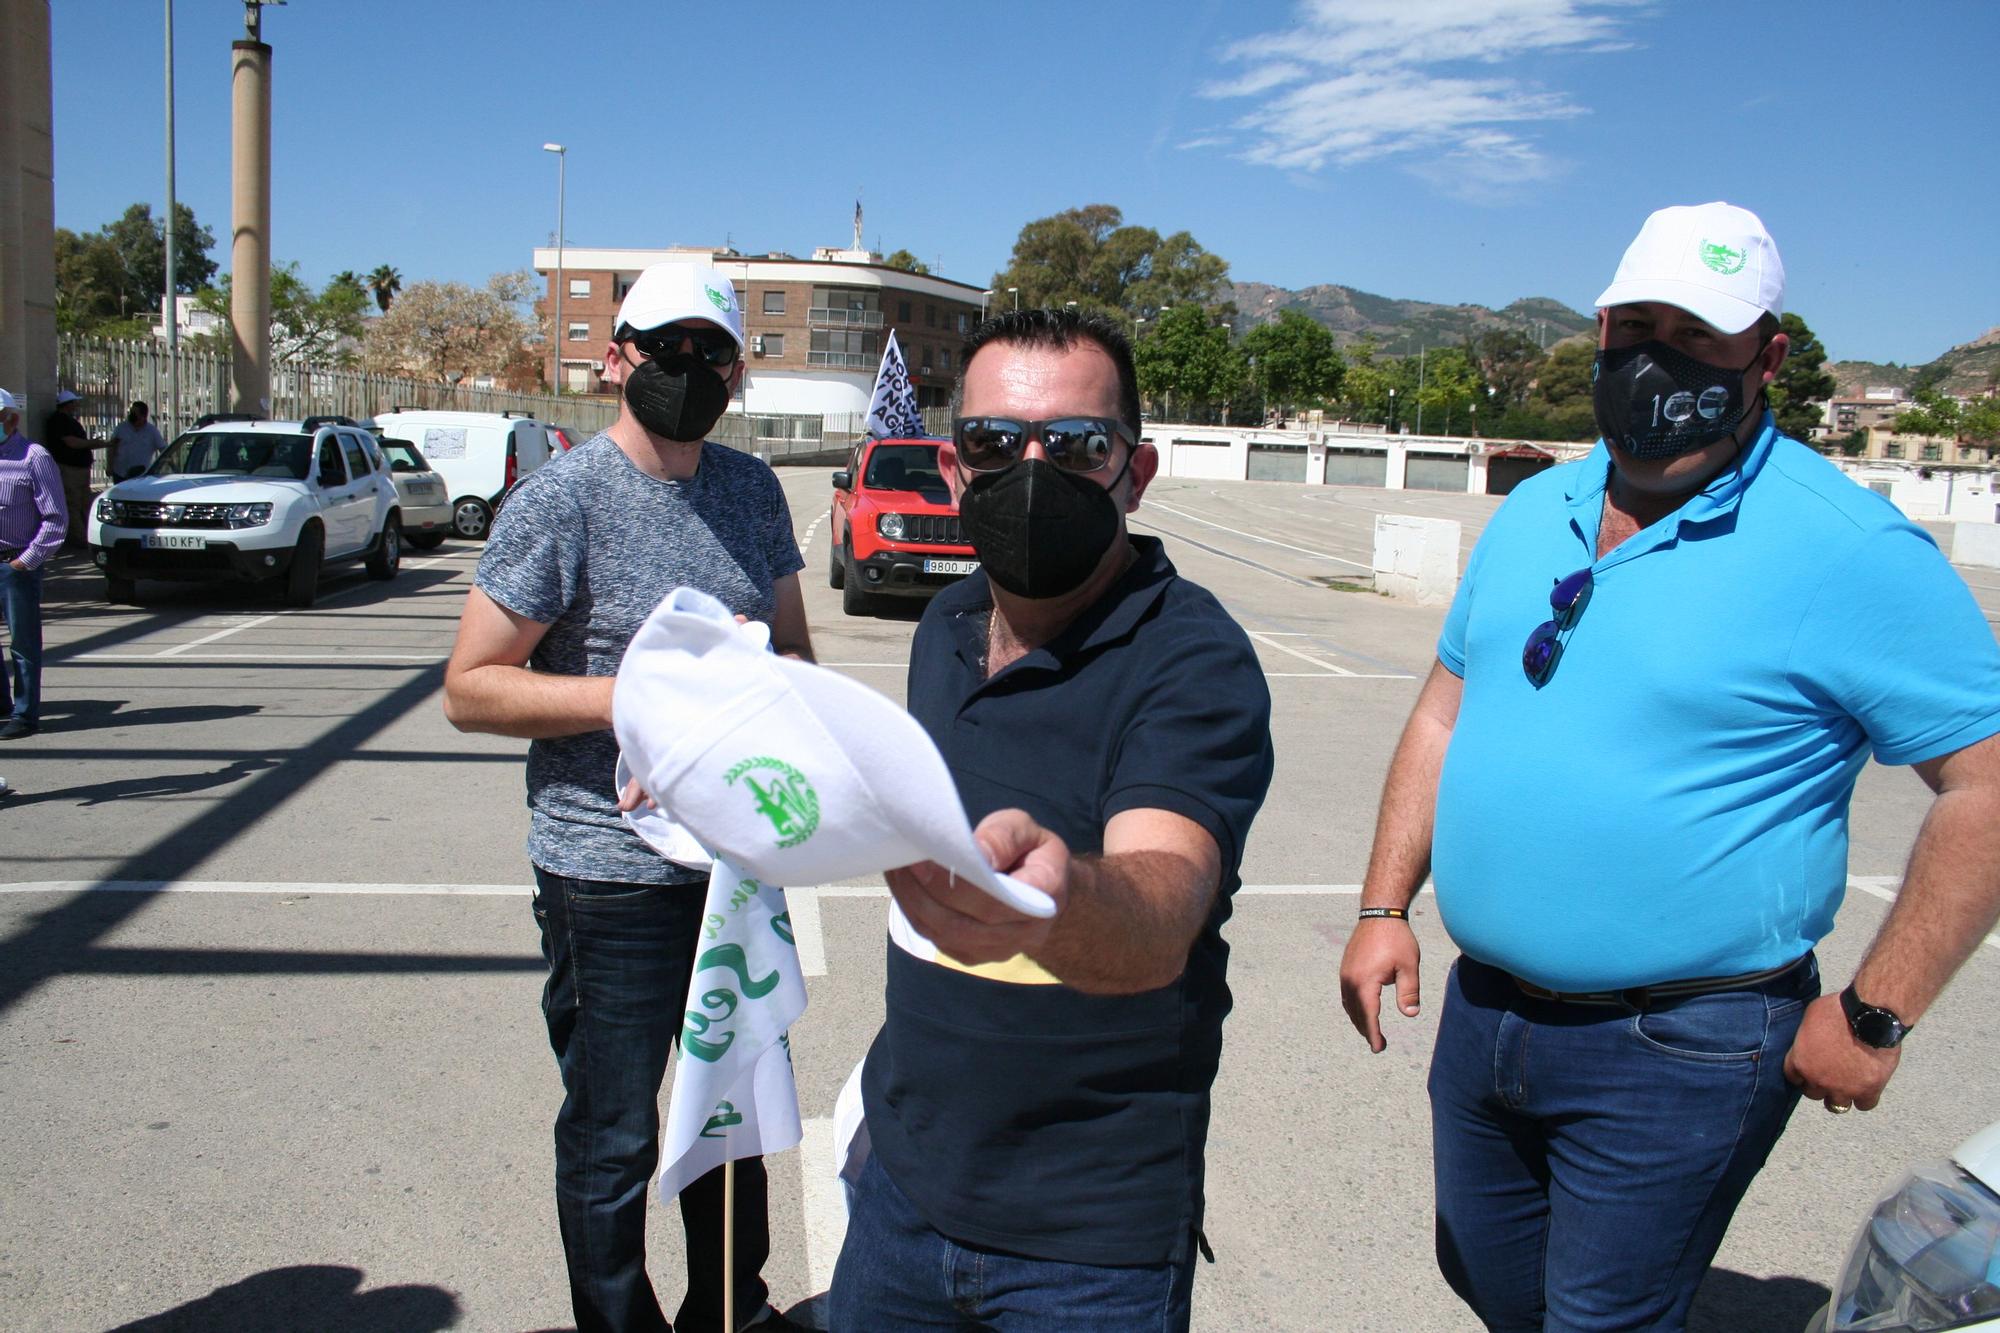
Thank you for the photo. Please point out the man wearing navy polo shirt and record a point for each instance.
(1038, 1097)
(1628, 776)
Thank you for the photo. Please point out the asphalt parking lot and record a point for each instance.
(269, 1034)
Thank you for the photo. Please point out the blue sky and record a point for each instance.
(1443, 150)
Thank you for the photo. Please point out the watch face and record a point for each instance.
(1877, 1028)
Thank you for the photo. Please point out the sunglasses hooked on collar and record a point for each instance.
(1074, 444)
(713, 345)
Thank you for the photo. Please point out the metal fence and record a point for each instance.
(109, 376)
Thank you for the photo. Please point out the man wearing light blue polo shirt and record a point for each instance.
(1629, 775)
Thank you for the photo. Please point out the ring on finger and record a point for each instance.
(1839, 1108)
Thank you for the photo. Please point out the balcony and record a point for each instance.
(828, 317)
(842, 360)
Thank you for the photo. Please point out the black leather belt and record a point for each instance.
(1642, 997)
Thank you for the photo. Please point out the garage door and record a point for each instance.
(1357, 467)
(1277, 462)
(1436, 472)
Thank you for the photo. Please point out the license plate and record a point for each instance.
(174, 541)
(950, 566)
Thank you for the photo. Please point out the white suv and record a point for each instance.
(256, 501)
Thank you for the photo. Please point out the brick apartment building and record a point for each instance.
(815, 327)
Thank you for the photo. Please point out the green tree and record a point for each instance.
(1444, 383)
(1508, 361)
(907, 262)
(113, 280)
(1090, 256)
(385, 282)
(1802, 383)
(1930, 414)
(1293, 361)
(321, 327)
(1187, 362)
(1979, 423)
(1364, 387)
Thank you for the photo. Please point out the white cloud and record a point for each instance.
(1362, 80)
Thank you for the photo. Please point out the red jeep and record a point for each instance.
(894, 528)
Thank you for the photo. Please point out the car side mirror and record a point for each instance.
(843, 481)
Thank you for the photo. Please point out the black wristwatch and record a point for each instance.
(1873, 1026)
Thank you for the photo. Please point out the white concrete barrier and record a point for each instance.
(1416, 559)
(1976, 544)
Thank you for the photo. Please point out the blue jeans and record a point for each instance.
(1588, 1157)
(21, 602)
(619, 957)
(897, 1275)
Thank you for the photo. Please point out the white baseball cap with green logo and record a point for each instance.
(676, 291)
(1715, 261)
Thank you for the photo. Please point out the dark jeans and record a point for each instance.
(897, 1275)
(21, 603)
(619, 957)
(1589, 1157)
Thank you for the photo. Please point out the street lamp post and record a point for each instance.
(982, 304)
(1392, 410)
(559, 333)
(173, 306)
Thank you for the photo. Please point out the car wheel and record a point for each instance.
(836, 568)
(302, 579)
(853, 599)
(425, 541)
(388, 557)
(471, 517)
(121, 591)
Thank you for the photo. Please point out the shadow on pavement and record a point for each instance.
(79, 714)
(1731, 1302)
(309, 1296)
(138, 789)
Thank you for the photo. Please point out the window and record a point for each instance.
(576, 377)
(1892, 451)
(944, 358)
(1933, 453)
(964, 322)
(774, 344)
(357, 457)
(579, 333)
(331, 469)
(774, 303)
(903, 312)
(579, 288)
(619, 287)
(851, 349)
(930, 316)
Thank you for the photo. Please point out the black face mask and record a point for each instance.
(1654, 402)
(677, 396)
(1039, 531)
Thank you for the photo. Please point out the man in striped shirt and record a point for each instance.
(33, 522)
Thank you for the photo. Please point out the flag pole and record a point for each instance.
(729, 1246)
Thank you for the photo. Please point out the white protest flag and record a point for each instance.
(893, 413)
(733, 1091)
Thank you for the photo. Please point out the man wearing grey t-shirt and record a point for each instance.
(583, 551)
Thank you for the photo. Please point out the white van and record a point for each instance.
(479, 455)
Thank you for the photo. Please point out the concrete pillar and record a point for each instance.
(27, 210)
(1416, 559)
(1395, 479)
(250, 225)
(1475, 473)
(1316, 460)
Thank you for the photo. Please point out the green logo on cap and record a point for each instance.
(721, 301)
(785, 798)
(1721, 258)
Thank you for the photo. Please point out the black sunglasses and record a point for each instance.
(1544, 647)
(712, 345)
(1074, 444)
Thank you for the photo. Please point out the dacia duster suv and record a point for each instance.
(270, 502)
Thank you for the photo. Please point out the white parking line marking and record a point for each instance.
(803, 905)
(1251, 536)
(220, 634)
(262, 657)
(811, 528)
(1330, 668)
(825, 1212)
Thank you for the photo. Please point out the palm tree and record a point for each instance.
(386, 282)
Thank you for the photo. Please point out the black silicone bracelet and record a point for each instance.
(1393, 913)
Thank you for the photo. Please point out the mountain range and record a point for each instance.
(1400, 327)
